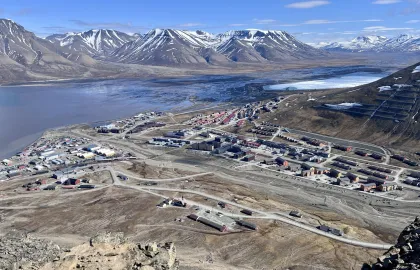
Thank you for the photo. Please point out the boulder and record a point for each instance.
(405, 255)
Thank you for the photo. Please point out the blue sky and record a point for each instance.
(310, 21)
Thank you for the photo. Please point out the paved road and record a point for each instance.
(204, 109)
(262, 214)
(275, 134)
(360, 145)
(165, 179)
(271, 217)
(338, 187)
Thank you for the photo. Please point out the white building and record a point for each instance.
(51, 157)
(105, 152)
(6, 162)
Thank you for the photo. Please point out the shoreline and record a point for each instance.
(39, 135)
(22, 146)
(192, 73)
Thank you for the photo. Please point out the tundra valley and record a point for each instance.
(131, 140)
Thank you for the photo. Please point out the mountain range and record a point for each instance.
(403, 43)
(165, 47)
(110, 53)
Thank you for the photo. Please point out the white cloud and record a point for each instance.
(413, 21)
(190, 24)
(308, 4)
(384, 29)
(310, 33)
(125, 27)
(287, 25)
(318, 22)
(346, 33)
(386, 2)
(264, 21)
(328, 21)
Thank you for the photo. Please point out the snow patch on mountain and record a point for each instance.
(344, 106)
(385, 88)
(402, 85)
(96, 42)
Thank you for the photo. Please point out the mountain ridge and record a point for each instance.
(173, 47)
(402, 43)
(95, 42)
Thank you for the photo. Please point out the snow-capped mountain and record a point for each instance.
(24, 48)
(240, 51)
(402, 43)
(208, 39)
(93, 42)
(359, 44)
(269, 45)
(160, 47)
(169, 46)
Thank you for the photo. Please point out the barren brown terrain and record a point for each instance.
(71, 217)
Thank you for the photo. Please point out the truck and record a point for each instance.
(295, 213)
(246, 212)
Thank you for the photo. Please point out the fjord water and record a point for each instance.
(27, 111)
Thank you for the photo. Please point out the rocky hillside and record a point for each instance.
(395, 98)
(104, 251)
(385, 112)
(20, 251)
(114, 251)
(24, 56)
(240, 51)
(25, 48)
(405, 255)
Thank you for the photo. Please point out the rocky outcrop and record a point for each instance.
(114, 251)
(104, 251)
(405, 255)
(20, 251)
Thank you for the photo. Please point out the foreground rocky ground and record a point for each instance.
(20, 251)
(113, 251)
(405, 255)
(104, 251)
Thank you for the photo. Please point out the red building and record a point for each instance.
(282, 162)
(368, 187)
(41, 182)
(240, 123)
(251, 144)
(227, 119)
(71, 182)
(68, 187)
